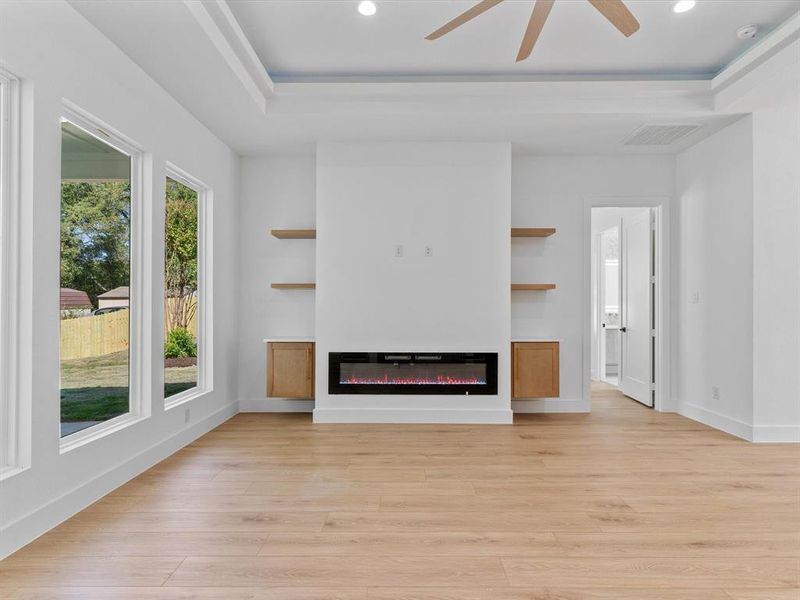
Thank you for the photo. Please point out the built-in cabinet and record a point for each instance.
(290, 370)
(534, 370)
(534, 364)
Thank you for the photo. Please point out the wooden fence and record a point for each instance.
(85, 337)
(94, 336)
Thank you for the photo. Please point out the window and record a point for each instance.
(11, 435)
(99, 194)
(185, 279)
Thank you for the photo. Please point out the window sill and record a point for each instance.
(184, 397)
(89, 435)
(9, 472)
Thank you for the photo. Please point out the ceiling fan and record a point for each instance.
(613, 10)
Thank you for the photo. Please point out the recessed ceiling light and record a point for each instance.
(367, 8)
(683, 5)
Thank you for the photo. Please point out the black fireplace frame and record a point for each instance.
(335, 359)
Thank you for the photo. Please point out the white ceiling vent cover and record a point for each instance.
(659, 135)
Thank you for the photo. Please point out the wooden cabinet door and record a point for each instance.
(290, 370)
(535, 370)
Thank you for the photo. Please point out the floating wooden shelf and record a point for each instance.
(527, 232)
(293, 286)
(532, 286)
(294, 234)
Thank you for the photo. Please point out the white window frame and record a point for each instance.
(205, 348)
(140, 336)
(14, 436)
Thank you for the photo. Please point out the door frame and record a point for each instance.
(663, 398)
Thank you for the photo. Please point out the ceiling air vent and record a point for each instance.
(659, 135)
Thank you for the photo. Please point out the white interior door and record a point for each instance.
(636, 326)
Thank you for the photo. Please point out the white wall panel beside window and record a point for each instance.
(187, 288)
(14, 433)
(94, 74)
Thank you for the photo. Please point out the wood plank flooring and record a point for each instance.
(621, 504)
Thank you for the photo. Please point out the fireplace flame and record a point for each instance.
(387, 380)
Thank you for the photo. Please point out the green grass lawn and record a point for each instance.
(96, 389)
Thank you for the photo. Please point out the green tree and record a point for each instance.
(95, 236)
(180, 268)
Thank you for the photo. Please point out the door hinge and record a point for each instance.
(652, 278)
(652, 333)
(652, 387)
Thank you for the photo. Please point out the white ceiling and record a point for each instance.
(329, 38)
(537, 134)
(165, 40)
(573, 117)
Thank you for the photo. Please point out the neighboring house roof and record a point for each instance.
(74, 299)
(118, 293)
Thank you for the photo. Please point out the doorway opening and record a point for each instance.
(624, 319)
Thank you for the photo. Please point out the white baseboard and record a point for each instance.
(551, 405)
(776, 433)
(545, 405)
(26, 529)
(256, 405)
(752, 433)
(716, 420)
(378, 415)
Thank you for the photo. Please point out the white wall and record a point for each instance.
(452, 197)
(776, 283)
(60, 55)
(748, 176)
(276, 193)
(715, 291)
(554, 191)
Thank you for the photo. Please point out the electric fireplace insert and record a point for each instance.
(455, 373)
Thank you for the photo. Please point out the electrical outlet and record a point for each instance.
(187, 415)
(398, 251)
(428, 250)
(715, 393)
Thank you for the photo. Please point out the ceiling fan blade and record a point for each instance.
(478, 9)
(538, 18)
(619, 15)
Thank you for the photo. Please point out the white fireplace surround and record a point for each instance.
(452, 198)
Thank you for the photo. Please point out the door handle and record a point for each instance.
(623, 329)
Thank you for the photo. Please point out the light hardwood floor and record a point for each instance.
(621, 504)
